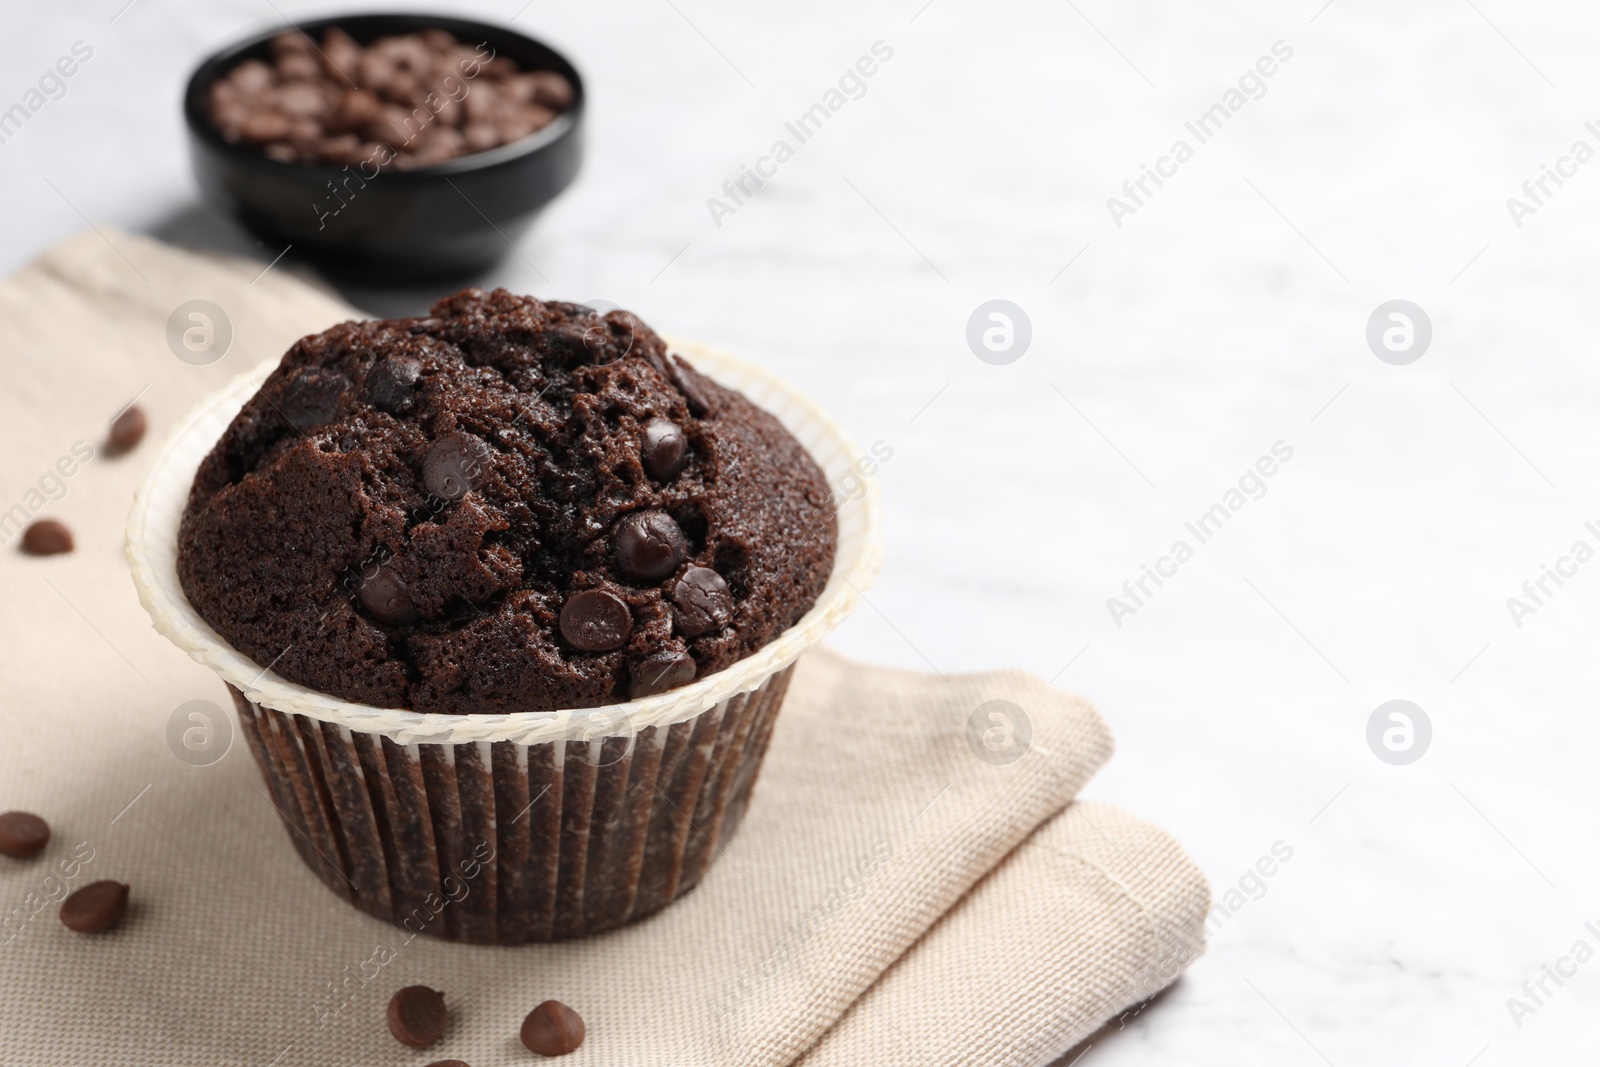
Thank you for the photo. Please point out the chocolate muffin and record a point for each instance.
(509, 505)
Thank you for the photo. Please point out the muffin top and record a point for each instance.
(509, 505)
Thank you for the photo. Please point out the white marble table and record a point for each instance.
(1225, 314)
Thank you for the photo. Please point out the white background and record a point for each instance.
(1227, 314)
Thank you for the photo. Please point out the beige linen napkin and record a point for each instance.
(892, 898)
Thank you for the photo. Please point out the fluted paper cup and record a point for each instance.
(511, 828)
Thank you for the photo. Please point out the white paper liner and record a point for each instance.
(153, 546)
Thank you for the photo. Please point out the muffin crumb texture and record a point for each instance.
(509, 505)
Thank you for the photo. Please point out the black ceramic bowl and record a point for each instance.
(452, 218)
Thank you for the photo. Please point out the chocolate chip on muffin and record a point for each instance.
(596, 621)
(385, 597)
(509, 505)
(455, 465)
(392, 384)
(701, 601)
(663, 449)
(660, 671)
(650, 545)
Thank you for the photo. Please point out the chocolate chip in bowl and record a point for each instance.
(404, 101)
(387, 147)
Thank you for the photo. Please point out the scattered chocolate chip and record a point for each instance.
(455, 463)
(664, 449)
(596, 621)
(127, 429)
(95, 908)
(312, 399)
(22, 834)
(552, 1029)
(659, 672)
(693, 387)
(650, 546)
(392, 384)
(701, 602)
(448, 1063)
(417, 1016)
(46, 537)
(386, 598)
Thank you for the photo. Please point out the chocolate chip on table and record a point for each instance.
(664, 449)
(392, 384)
(449, 1063)
(596, 620)
(95, 908)
(701, 602)
(46, 537)
(455, 464)
(552, 1029)
(659, 672)
(385, 596)
(127, 429)
(22, 834)
(417, 1016)
(650, 545)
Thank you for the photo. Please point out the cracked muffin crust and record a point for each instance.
(509, 505)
